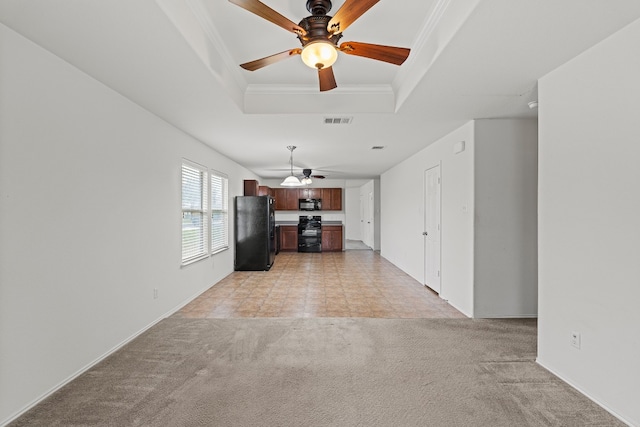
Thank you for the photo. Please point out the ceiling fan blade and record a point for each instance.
(264, 11)
(263, 62)
(348, 13)
(391, 54)
(327, 79)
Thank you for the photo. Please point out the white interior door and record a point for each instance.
(362, 221)
(370, 221)
(432, 228)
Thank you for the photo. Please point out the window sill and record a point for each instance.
(200, 258)
(220, 250)
(191, 261)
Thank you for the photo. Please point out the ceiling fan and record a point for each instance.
(319, 35)
(306, 176)
(294, 181)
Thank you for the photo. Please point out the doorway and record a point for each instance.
(432, 229)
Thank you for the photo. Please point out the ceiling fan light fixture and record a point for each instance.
(319, 54)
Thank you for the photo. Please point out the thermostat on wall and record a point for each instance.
(458, 147)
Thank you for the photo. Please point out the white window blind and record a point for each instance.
(194, 212)
(219, 212)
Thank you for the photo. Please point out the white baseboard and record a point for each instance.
(594, 400)
(511, 316)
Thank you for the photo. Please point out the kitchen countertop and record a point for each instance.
(296, 223)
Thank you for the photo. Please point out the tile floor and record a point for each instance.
(330, 284)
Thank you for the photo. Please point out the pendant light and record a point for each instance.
(291, 180)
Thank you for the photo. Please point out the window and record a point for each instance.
(194, 213)
(219, 212)
(205, 216)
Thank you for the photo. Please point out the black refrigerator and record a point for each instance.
(255, 233)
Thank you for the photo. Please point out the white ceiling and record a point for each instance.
(179, 59)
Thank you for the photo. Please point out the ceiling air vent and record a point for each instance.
(338, 120)
(378, 147)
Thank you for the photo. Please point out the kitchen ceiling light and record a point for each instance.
(292, 180)
(319, 54)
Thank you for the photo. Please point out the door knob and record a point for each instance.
(424, 233)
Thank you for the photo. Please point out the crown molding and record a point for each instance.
(381, 89)
(270, 99)
(444, 21)
(193, 22)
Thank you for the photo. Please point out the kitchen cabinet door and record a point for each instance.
(310, 193)
(331, 238)
(326, 199)
(336, 199)
(292, 199)
(289, 238)
(332, 199)
(251, 187)
(280, 194)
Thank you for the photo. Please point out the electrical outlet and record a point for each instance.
(575, 339)
(155, 293)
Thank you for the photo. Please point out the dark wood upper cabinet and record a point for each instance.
(292, 199)
(251, 187)
(310, 193)
(331, 199)
(281, 198)
(336, 199)
(263, 190)
(286, 199)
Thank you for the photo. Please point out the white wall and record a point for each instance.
(402, 215)
(89, 221)
(505, 239)
(488, 217)
(352, 225)
(589, 269)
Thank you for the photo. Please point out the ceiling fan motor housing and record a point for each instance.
(316, 28)
(316, 24)
(318, 7)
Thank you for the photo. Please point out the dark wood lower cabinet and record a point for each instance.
(331, 238)
(289, 238)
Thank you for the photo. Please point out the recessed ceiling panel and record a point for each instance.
(248, 37)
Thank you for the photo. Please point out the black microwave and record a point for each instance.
(310, 204)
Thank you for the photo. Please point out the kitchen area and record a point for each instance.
(290, 220)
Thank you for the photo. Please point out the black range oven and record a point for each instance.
(310, 233)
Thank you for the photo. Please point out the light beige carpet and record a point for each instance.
(323, 372)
